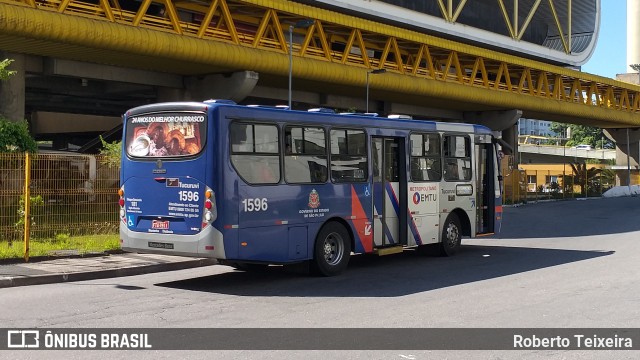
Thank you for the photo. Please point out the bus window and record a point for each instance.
(254, 152)
(457, 158)
(348, 155)
(425, 157)
(305, 158)
(165, 134)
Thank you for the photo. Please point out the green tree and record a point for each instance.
(4, 73)
(581, 134)
(15, 137)
(585, 176)
(112, 153)
(607, 179)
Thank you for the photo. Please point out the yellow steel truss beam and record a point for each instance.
(565, 42)
(423, 62)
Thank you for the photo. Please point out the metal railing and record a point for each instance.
(69, 195)
(73, 195)
(522, 186)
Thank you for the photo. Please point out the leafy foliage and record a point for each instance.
(581, 134)
(15, 137)
(4, 73)
(112, 153)
(587, 176)
(35, 203)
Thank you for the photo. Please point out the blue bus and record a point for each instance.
(253, 186)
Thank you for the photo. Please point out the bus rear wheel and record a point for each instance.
(332, 250)
(451, 236)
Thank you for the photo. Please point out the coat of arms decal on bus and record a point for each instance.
(314, 199)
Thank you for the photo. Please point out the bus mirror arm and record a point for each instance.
(505, 145)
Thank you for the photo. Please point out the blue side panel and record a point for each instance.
(269, 218)
(264, 243)
(298, 242)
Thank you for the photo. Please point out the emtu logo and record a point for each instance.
(416, 198)
(21, 339)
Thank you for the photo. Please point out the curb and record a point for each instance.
(36, 259)
(103, 274)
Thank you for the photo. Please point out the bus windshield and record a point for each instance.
(170, 134)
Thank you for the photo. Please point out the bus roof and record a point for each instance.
(349, 118)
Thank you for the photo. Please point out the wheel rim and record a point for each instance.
(333, 248)
(453, 233)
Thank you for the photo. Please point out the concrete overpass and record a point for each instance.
(550, 154)
(101, 57)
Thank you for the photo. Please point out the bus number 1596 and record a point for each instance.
(256, 204)
(188, 195)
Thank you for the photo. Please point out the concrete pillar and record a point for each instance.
(233, 86)
(12, 91)
(633, 34)
(622, 166)
(495, 120)
(504, 121)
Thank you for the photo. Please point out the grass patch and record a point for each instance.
(62, 242)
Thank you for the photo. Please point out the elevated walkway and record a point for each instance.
(333, 55)
(560, 152)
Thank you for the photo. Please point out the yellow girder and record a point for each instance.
(249, 35)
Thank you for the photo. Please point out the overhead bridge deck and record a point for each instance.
(191, 37)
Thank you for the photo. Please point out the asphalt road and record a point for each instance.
(570, 264)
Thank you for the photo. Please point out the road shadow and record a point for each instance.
(571, 218)
(389, 276)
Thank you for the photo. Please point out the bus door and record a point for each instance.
(389, 191)
(486, 185)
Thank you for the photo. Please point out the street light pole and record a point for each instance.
(290, 62)
(376, 71)
(564, 166)
(302, 24)
(628, 162)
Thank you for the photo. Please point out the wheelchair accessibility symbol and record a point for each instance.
(366, 191)
(130, 221)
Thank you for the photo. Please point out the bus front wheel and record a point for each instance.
(451, 236)
(332, 250)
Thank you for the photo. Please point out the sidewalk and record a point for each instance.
(92, 267)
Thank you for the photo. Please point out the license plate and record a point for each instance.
(158, 224)
(160, 245)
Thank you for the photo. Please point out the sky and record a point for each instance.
(610, 56)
